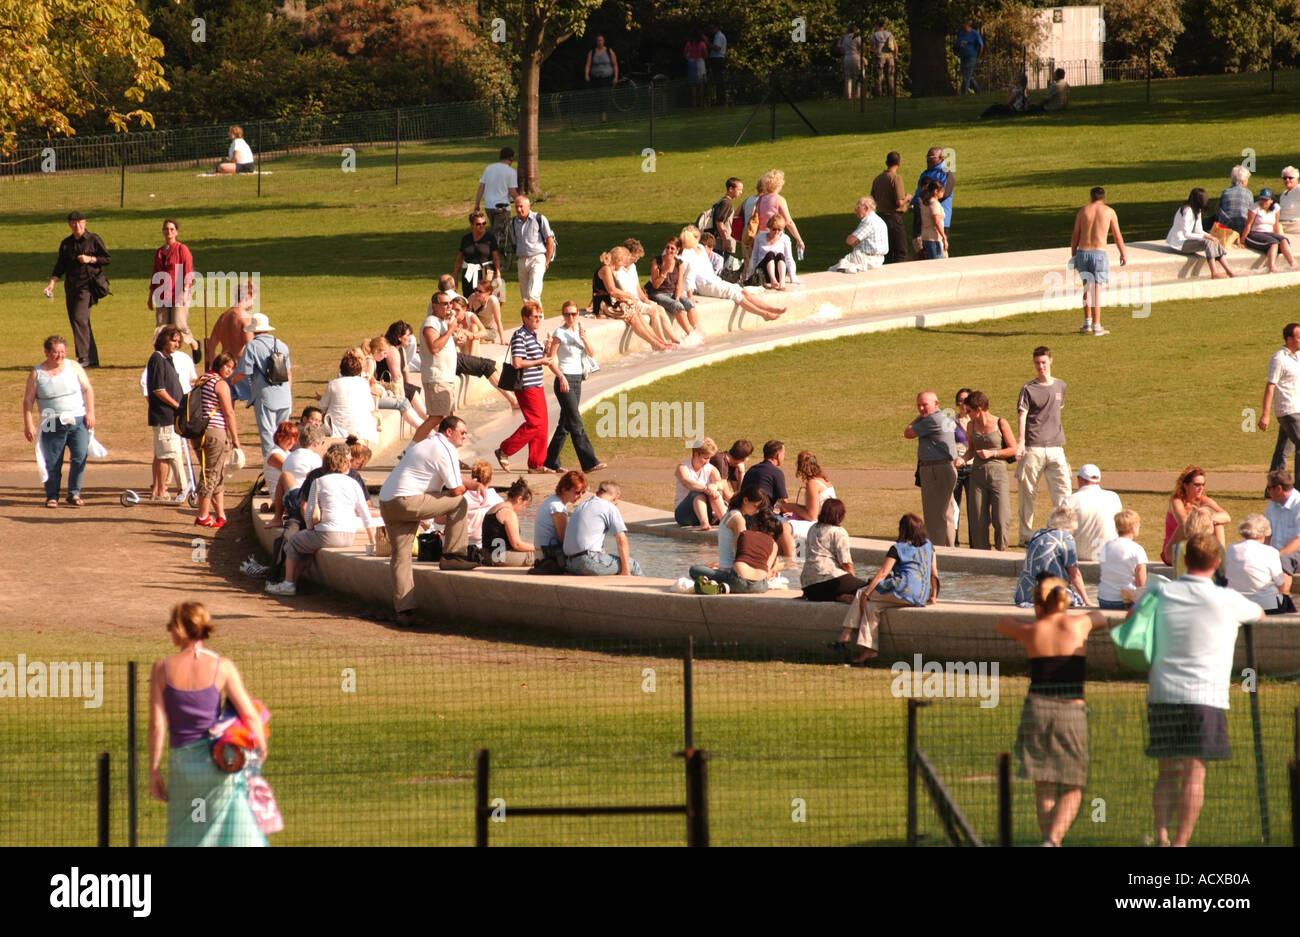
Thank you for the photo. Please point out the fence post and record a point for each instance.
(697, 799)
(1261, 780)
(258, 168)
(481, 798)
(1294, 769)
(103, 799)
(652, 120)
(121, 199)
(131, 805)
(911, 771)
(1004, 799)
(397, 142)
(688, 690)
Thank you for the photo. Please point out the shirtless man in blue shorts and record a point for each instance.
(1088, 255)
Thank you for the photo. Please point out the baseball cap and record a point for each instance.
(1089, 472)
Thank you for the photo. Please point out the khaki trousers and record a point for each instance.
(402, 516)
(937, 504)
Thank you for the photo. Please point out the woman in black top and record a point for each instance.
(478, 254)
(503, 544)
(1052, 742)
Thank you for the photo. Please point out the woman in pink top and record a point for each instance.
(771, 202)
(1189, 493)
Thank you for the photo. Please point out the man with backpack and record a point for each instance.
(265, 363)
(884, 48)
(717, 220)
(534, 246)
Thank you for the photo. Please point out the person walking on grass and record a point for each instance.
(1092, 224)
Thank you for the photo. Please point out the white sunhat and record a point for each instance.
(260, 323)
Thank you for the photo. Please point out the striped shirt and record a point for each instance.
(211, 403)
(524, 344)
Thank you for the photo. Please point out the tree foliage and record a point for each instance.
(1236, 35)
(56, 56)
(1138, 29)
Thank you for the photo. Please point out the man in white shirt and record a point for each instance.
(1282, 390)
(1187, 698)
(718, 65)
(1283, 516)
(1288, 201)
(425, 483)
(499, 184)
(438, 358)
(1095, 508)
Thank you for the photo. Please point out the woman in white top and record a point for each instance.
(570, 345)
(285, 438)
(348, 404)
(61, 391)
(610, 300)
(341, 504)
(477, 504)
(816, 489)
(700, 278)
(1187, 236)
(772, 255)
(1254, 568)
(240, 158)
(630, 282)
(699, 489)
(1263, 231)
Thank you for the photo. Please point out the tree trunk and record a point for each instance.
(529, 105)
(929, 69)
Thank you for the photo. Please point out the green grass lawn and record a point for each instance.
(342, 255)
(392, 762)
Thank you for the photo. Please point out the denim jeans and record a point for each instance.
(76, 438)
(968, 75)
(670, 305)
(570, 424)
(597, 564)
(737, 585)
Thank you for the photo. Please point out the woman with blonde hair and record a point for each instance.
(700, 278)
(610, 300)
(240, 158)
(1052, 741)
(771, 202)
(477, 504)
(184, 703)
(772, 256)
(1189, 492)
(699, 489)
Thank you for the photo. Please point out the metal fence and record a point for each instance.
(377, 746)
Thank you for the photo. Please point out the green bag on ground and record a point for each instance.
(1135, 639)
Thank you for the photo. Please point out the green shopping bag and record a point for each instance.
(1135, 639)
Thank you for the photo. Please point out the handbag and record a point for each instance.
(383, 546)
(1135, 639)
(589, 366)
(511, 378)
(430, 547)
(98, 287)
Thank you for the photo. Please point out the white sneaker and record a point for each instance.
(1100, 331)
(1086, 328)
(281, 588)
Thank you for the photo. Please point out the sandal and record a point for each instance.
(75, 501)
(501, 460)
(52, 503)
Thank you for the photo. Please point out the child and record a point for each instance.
(772, 254)
(933, 240)
(1123, 564)
(483, 302)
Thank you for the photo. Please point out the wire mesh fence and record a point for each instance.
(377, 747)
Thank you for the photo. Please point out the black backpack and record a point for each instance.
(191, 419)
(277, 366)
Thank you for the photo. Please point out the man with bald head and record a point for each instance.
(937, 464)
(936, 169)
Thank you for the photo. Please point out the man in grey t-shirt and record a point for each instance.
(936, 456)
(1042, 441)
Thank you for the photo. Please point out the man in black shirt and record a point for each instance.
(82, 257)
(767, 476)
(164, 387)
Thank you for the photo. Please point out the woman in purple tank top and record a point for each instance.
(185, 700)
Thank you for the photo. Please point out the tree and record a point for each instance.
(1144, 29)
(534, 28)
(55, 52)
